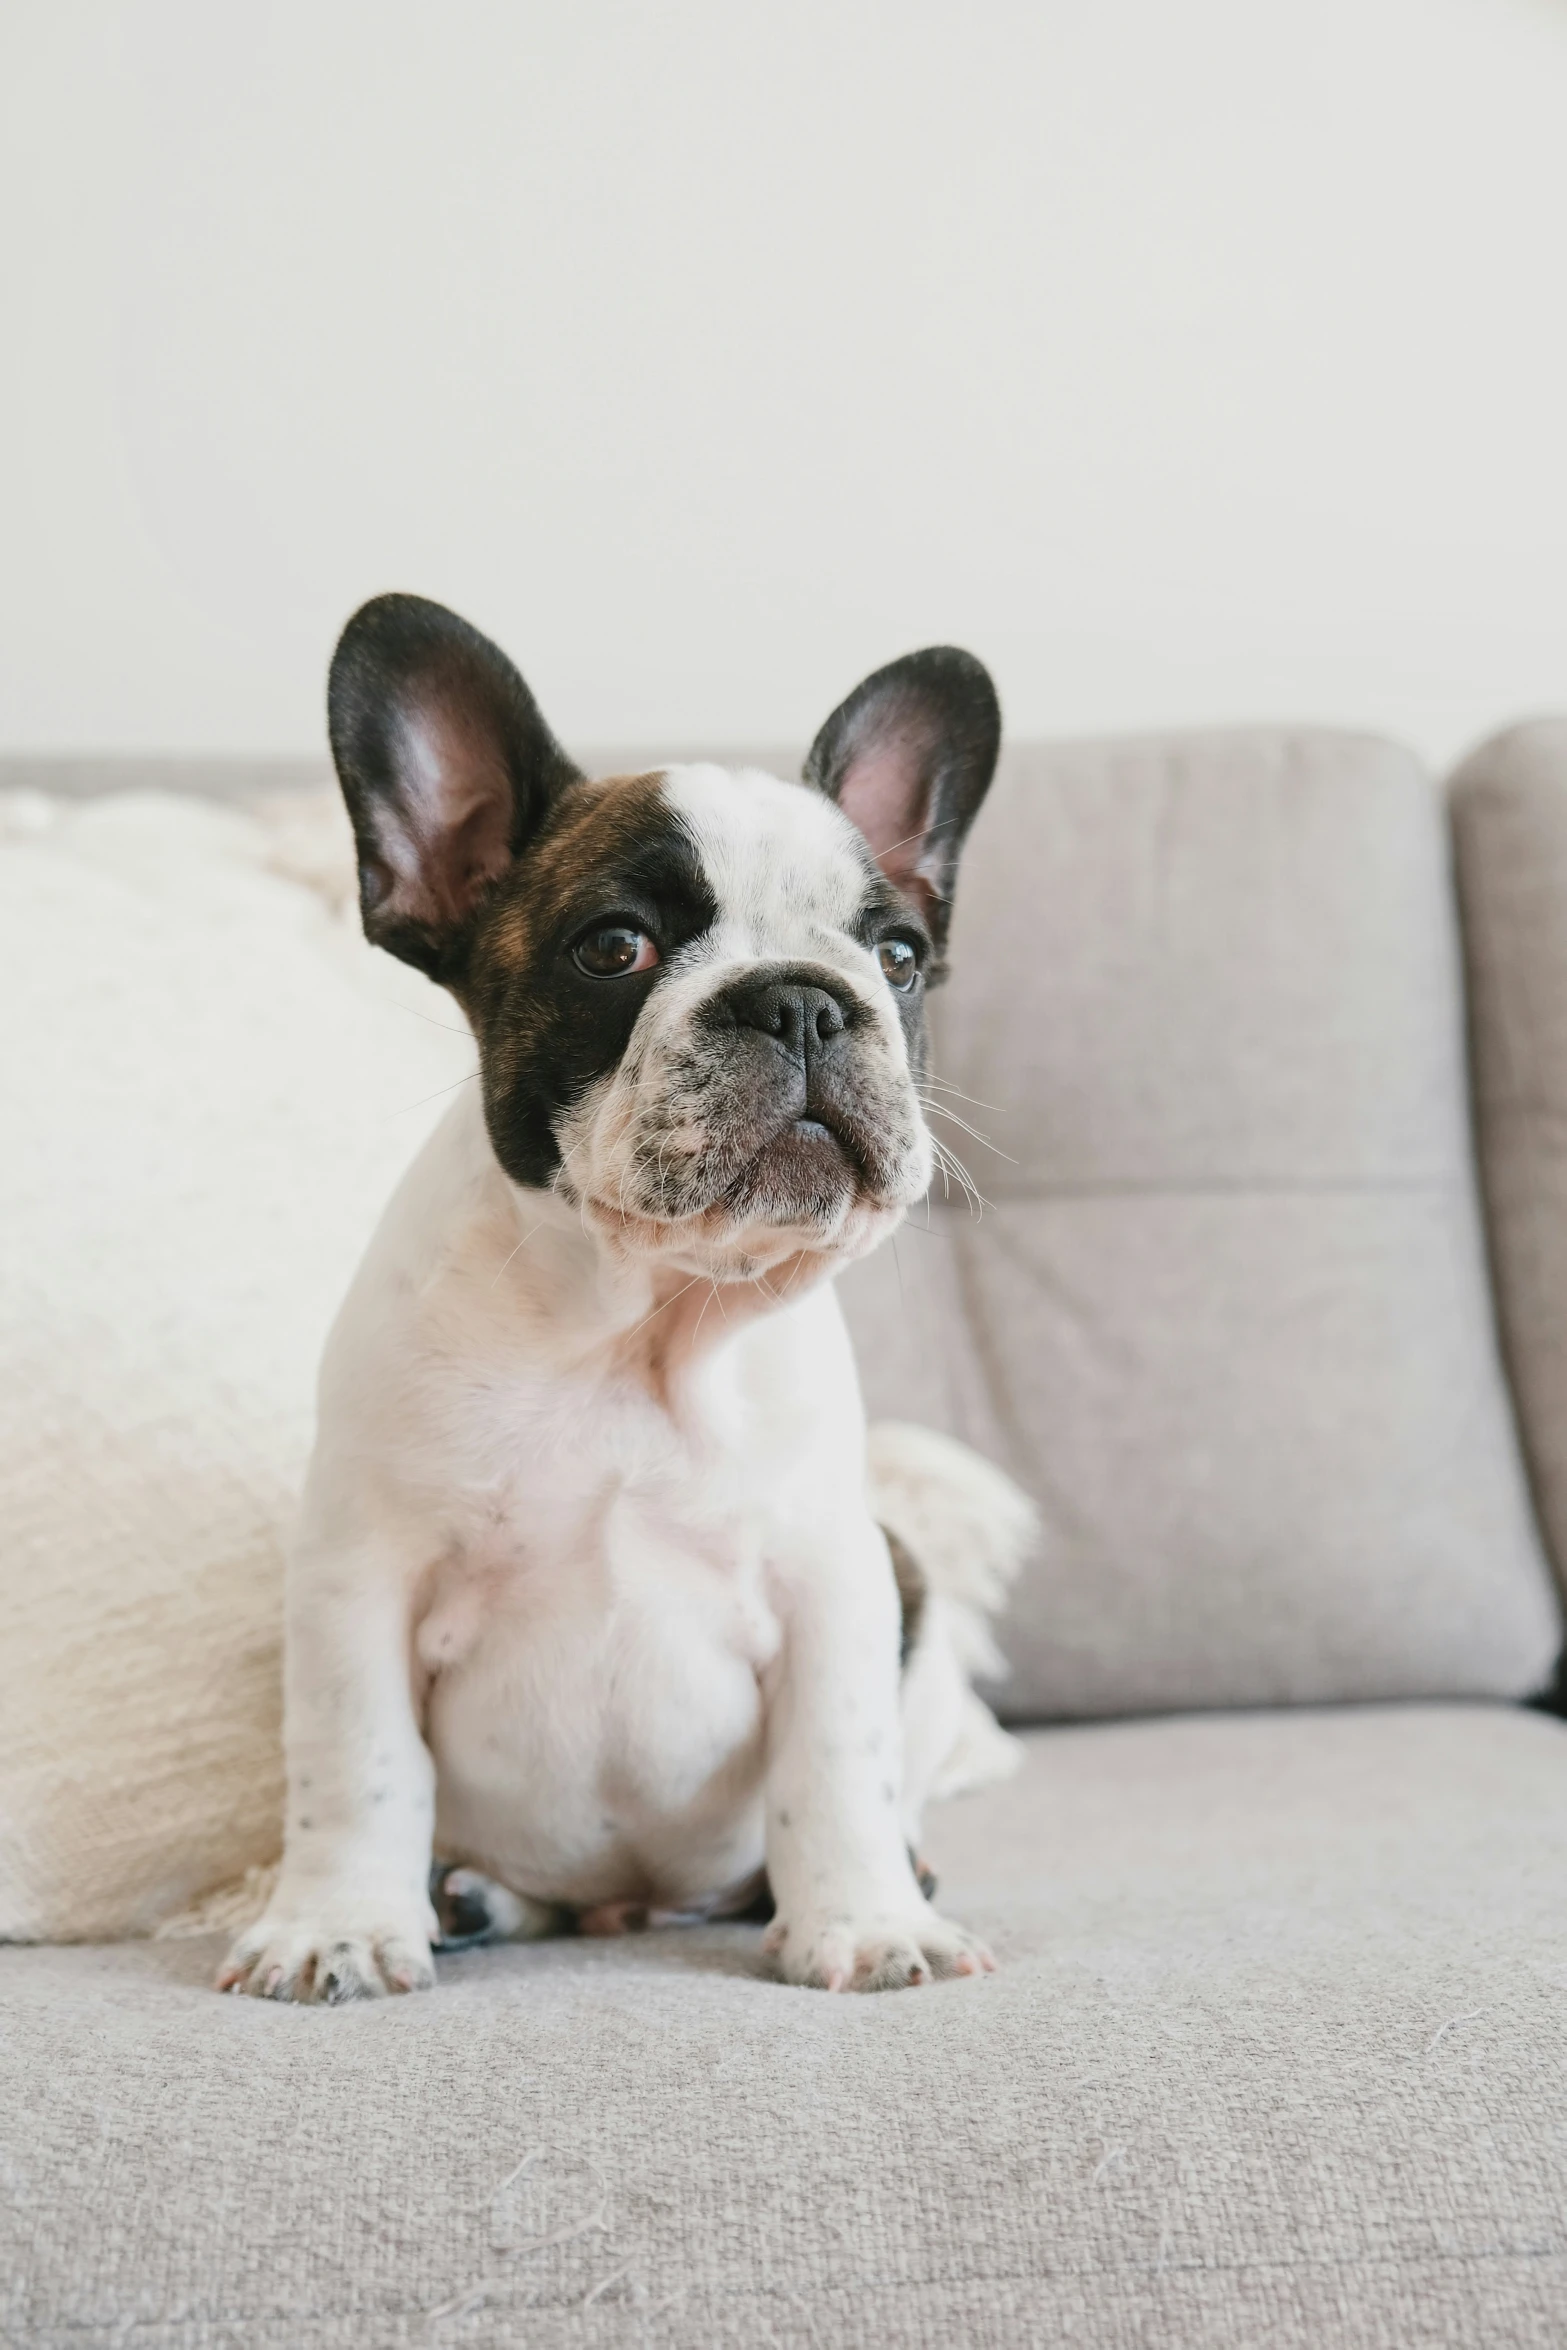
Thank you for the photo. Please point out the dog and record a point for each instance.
(604, 1608)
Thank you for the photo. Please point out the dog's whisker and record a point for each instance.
(940, 1110)
(949, 1162)
(970, 1187)
(433, 1097)
(942, 824)
(944, 1085)
(414, 1013)
(522, 1244)
(658, 1309)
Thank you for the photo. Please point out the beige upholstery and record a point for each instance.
(1275, 2057)
(1510, 827)
(1226, 1314)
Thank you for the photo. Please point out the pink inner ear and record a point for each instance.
(886, 795)
(457, 810)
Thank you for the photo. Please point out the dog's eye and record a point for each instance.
(614, 951)
(899, 962)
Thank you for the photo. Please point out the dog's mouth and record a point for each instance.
(807, 1174)
(807, 1171)
(811, 1142)
(816, 1163)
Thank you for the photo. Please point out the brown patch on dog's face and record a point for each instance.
(609, 855)
(592, 829)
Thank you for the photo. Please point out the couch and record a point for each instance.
(1266, 1303)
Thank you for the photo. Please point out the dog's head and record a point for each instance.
(698, 994)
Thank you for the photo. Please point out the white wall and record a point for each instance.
(1189, 361)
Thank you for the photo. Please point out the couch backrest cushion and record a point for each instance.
(1225, 1311)
(1509, 804)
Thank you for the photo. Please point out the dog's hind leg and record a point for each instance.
(470, 1908)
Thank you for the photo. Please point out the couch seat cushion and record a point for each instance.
(1277, 2054)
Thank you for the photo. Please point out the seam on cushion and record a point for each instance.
(1147, 2270)
(1228, 1187)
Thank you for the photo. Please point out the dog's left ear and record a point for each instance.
(447, 766)
(909, 756)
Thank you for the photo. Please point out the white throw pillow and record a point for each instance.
(211, 1085)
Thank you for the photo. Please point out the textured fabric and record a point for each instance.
(210, 1086)
(1225, 1313)
(1275, 2055)
(1509, 805)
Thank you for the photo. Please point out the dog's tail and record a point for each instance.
(967, 1530)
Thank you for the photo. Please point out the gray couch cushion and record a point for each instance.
(1510, 826)
(1226, 1315)
(1275, 2055)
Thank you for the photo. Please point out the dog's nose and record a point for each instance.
(801, 1018)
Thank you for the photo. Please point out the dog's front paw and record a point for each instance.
(842, 1952)
(321, 1958)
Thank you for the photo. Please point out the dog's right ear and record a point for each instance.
(447, 768)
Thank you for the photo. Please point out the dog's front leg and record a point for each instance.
(850, 1915)
(351, 1916)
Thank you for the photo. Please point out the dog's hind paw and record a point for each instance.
(470, 1907)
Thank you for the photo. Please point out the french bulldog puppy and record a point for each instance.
(590, 1600)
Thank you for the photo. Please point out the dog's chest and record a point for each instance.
(595, 1639)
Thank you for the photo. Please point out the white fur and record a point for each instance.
(589, 1594)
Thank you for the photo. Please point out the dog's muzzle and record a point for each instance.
(799, 1094)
